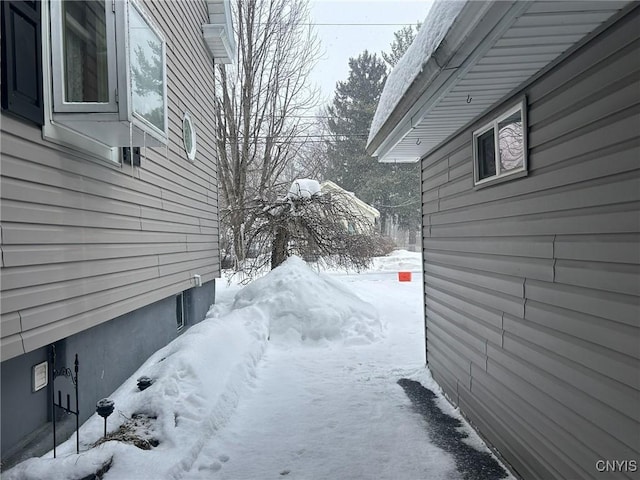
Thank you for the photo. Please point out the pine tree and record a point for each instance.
(403, 40)
(349, 119)
(393, 189)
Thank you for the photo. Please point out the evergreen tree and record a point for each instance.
(403, 40)
(393, 189)
(349, 118)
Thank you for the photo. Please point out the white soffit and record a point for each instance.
(529, 43)
(218, 33)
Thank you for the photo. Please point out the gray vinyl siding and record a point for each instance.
(84, 241)
(532, 286)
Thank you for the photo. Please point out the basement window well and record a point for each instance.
(500, 147)
(180, 311)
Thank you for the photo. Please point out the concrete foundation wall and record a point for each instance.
(107, 354)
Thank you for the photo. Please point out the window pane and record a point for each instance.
(486, 155)
(147, 70)
(85, 51)
(511, 142)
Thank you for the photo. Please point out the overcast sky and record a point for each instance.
(348, 27)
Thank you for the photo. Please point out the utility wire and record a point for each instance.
(307, 24)
(324, 135)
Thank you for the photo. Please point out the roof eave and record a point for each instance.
(472, 32)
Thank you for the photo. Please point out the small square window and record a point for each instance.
(499, 148)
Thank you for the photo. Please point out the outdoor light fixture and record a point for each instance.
(104, 408)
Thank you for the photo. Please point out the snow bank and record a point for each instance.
(304, 305)
(398, 261)
(200, 376)
(438, 22)
(197, 382)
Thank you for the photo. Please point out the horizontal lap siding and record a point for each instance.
(85, 242)
(532, 287)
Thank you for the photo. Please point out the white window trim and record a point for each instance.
(57, 57)
(53, 131)
(66, 136)
(521, 107)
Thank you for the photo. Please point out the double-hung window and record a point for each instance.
(500, 147)
(108, 72)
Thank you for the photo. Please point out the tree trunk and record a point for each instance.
(279, 251)
(237, 224)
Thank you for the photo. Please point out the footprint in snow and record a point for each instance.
(223, 458)
(214, 467)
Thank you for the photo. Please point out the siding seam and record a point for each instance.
(555, 260)
(21, 330)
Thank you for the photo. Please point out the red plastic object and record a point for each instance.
(404, 276)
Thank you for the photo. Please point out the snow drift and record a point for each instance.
(303, 305)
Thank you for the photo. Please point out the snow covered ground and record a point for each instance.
(294, 376)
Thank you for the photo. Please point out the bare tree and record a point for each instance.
(324, 227)
(261, 102)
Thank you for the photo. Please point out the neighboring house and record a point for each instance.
(525, 118)
(109, 233)
(355, 205)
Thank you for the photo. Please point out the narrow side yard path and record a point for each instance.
(299, 375)
(334, 410)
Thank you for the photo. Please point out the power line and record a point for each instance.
(356, 24)
(326, 135)
(347, 24)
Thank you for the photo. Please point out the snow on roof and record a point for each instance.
(440, 18)
(328, 185)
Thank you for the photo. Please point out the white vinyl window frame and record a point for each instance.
(53, 131)
(58, 61)
(81, 125)
(500, 174)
